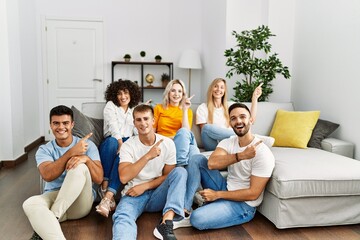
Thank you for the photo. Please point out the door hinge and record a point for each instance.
(45, 28)
(47, 81)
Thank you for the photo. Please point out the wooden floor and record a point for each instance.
(17, 184)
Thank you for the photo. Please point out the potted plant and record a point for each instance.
(165, 79)
(158, 58)
(142, 55)
(248, 60)
(127, 57)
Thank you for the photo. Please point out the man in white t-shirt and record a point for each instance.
(153, 183)
(232, 200)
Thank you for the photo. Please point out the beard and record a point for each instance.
(241, 132)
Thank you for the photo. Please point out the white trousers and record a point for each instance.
(74, 200)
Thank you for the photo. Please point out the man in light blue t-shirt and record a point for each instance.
(69, 165)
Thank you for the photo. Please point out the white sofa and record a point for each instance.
(309, 187)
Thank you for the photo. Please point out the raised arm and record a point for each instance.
(185, 117)
(254, 101)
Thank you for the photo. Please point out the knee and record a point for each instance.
(196, 220)
(183, 132)
(179, 172)
(109, 143)
(198, 160)
(29, 204)
(80, 170)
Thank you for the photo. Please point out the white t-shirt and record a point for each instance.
(219, 120)
(117, 122)
(133, 149)
(239, 175)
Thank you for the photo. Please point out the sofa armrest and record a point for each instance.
(338, 146)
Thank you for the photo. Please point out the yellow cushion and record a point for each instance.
(293, 128)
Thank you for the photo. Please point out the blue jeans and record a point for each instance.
(168, 196)
(110, 162)
(211, 135)
(220, 213)
(186, 146)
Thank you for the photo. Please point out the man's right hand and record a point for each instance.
(155, 151)
(81, 147)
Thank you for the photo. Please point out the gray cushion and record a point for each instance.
(321, 131)
(85, 125)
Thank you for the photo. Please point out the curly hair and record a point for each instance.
(121, 85)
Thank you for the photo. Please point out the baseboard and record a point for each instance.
(34, 144)
(23, 157)
(13, 163)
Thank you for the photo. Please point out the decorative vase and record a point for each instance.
(165, 83)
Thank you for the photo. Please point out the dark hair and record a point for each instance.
(239, 105)
(121, 85)
(61, 110)
(143, 108)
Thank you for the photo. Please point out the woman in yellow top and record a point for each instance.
(173, 119)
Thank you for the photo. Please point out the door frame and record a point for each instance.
(44, 65)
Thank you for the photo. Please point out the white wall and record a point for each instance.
(213, 43)
(326, 60)
(11, 127)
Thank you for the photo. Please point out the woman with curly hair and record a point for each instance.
(173, 118)
(121, 97)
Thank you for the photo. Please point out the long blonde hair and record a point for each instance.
(210, 101)
(166, 100)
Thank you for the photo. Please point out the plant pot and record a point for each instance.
(165, 83)
(127, 59)
(157, 60)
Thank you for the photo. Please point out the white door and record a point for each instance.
(75, 64)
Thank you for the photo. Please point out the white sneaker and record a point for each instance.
(185, 222)
(198, 199)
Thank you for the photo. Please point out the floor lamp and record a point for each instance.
(190, 59)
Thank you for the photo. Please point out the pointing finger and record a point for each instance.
(160, 141)
(260, 84)
(256, 144)
(87, 136)
(191, 97)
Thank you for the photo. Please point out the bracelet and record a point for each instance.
(236, 157)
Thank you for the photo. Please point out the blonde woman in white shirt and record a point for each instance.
(121, 97)
(213, 118)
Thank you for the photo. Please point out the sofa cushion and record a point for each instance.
(321, 131)
(293, 129)
(85, 125)
(313, 172)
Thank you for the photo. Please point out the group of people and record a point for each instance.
(153, 155)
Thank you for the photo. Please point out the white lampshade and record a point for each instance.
(190, 59)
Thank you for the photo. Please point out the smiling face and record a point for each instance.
(61, 126)
(124, 98)
(175, 94)
(240, 121)
(218, 90)
(143, 122)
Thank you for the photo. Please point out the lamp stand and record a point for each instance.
(189, 82)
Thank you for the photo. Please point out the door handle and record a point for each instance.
(98, 80)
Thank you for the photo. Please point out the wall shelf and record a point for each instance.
(141, 66)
